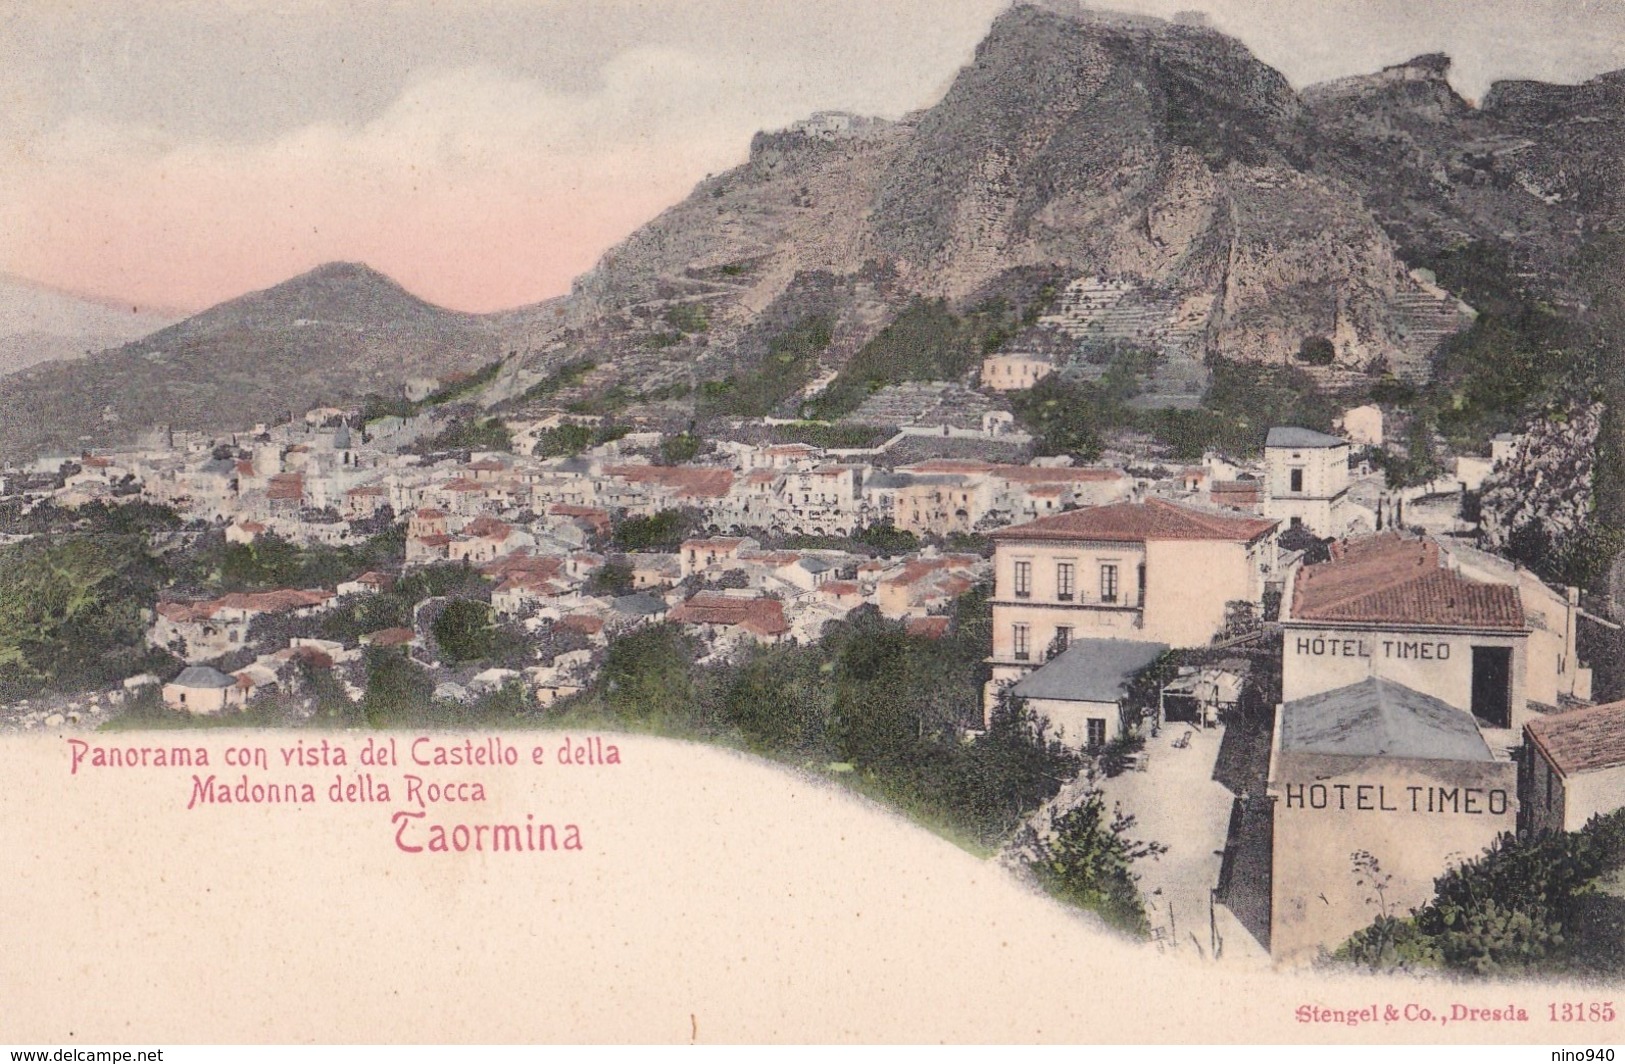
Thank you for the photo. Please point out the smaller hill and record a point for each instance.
(331, 335)
(39, 323)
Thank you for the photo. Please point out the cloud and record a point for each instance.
(475, 187)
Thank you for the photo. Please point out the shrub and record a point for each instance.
(1317, 351)
(1086, 859)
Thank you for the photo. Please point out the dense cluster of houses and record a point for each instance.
(1431, 695)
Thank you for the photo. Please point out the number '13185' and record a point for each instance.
(1581, 1011)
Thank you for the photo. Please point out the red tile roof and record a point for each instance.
(916, 569)
(949, 465)
(764, 616)
(248, 602)
(585, 623)
(286, 486)
(689, 481)
(712, 543)
(1140, 522)
(523, 562)
(1058, 474)
(1581, 740)
(592, 515)
(930, 627)
(312, 655)
(390, 637)
(1394, 579)
(486, 527)
(536, 582)
(1021, 474)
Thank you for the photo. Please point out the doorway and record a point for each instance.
(1492, 686)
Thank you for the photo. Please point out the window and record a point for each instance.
(1297, 480)
(1097, 732)
(1064, 580)
(1108, 583)
(1063, 637)
(1024, 579)
(1022, 642)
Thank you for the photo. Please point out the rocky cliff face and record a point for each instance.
(1532, 170)
(1195, 201)
(1546, 489)
(1161, 157)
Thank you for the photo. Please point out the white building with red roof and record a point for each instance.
(1573, 768)
(1154, 571)
(721, 614)
(1403, 608)
(199, 631)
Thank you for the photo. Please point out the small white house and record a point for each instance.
(203, 689)
(1080, 691)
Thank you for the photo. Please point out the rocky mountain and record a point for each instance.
(333, 334)
(1103, 179)
(40, 324)
(1534, 170)
(1161, 164)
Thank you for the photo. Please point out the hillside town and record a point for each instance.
(1361, 675)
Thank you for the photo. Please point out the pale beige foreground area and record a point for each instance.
(716, 898)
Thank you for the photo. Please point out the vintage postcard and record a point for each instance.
(716, 521)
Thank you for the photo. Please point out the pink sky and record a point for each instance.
(475, 190)
(487, 152)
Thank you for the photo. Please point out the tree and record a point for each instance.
(684, 447)
(664, 531)
(886, 538)
(648, 678)
(1299, 538)
(563, 440)
(1317, 351)
(397, 689)
(612, 578)
(465, 630)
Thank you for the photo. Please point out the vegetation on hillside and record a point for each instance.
(879, 708)
(71, 613)
(566, 375)
(792, 358)
(468, 434)
(1085, 858)
(1243, 401)
(926, 342)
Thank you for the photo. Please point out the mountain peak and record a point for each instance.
(1422, 79)
(341, 273)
